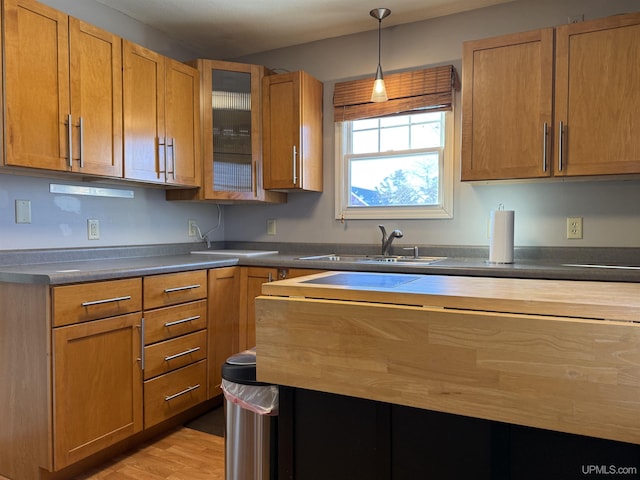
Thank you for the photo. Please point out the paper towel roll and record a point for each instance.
(501, 236)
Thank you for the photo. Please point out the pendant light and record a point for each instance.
(379, 93)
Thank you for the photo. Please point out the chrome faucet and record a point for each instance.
(388, 240)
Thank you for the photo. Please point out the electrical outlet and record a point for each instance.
(93, 229)
(575, 18)
(574, 227)
(271, 226)
(193, 228)
(23, 211)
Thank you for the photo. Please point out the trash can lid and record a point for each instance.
(241, 368)
(248, 357)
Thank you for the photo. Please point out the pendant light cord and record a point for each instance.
(379, 34)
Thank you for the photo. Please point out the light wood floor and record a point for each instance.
(183, 454)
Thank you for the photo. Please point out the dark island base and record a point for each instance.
(325, 436)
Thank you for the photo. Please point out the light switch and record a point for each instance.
(23, 211)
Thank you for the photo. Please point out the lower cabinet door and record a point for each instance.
(175, 392)
(97, 386)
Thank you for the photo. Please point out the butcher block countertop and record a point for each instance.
(554, 354)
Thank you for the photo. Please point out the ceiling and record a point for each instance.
(227, 29)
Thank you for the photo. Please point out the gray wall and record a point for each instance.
(610, 208)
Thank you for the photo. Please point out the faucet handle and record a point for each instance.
(415, 251)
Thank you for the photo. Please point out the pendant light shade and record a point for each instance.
(379, 93)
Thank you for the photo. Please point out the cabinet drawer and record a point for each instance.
(173, 288)
(175, 392)
(91, 301)
(170, 322)
(171, 354)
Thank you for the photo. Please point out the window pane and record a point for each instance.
(392, 121)
(426, 135)
(427, 117)
(365, 141)
(396, 138)
(366, 123)
(406, 180)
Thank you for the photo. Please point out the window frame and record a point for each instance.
(442, 211)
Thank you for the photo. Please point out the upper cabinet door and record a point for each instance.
(507, 102)
(143, 111)
(96, 98)
(597, 117)
(292, 112)
(36, 56)
(182, 124)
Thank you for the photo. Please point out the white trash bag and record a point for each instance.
(260, 399)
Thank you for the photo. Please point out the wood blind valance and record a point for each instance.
(430, 89)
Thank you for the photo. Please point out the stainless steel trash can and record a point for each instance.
(250, 410)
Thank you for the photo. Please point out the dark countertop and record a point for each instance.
(106, 269)
(72, 266)
(476, 267)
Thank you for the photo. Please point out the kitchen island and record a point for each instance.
(557, 357)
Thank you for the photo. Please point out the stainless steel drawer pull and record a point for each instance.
(186, 390)
(179, 289)
(182, 320)
(181, 354)
(106, 300)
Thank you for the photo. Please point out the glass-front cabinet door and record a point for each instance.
(233, 166)
(232, 132)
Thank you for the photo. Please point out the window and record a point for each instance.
(394, 159)
(395, 167)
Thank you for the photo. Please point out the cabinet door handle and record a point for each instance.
(182, 320)
(544, 147)
(186, 390)
(179, 289)
(106, 300)
(255, 179)
(560, 144)
(70, 139)
(295, 165)
(171, 147)
(141, 358)
(181, 354)
(81, 130)
(161, 157)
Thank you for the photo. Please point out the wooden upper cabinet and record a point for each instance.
(292, 126)
(507, 103)
(597, 97)
(161, 118)
(508, 98)
(231, 129)
(63, 92)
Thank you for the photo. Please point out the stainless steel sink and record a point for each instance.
(394, 259)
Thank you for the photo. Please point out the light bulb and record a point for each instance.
(379, 93)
